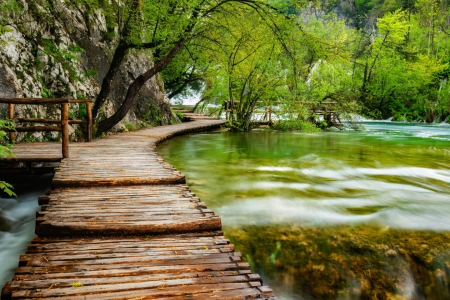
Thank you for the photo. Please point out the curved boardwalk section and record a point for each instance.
(112, 211)
(120, 224)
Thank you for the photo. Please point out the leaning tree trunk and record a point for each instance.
(134, 89)
(108, 81)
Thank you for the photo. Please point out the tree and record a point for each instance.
(163, 27)
(257, 64)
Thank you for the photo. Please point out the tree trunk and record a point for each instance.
(230, 91)
(108, 81)
(134, 89)
(179, 90)
(429, 31)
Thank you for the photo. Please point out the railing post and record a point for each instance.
(12, 135)
(65, 129)
(89, 121)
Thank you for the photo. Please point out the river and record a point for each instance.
(332, 215)
(17, 221)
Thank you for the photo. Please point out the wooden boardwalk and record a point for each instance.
(119, 223)
(112, 211)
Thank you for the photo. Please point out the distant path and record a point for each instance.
(120, 223)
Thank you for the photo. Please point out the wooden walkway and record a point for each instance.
(119, 223)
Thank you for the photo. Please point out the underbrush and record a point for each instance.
(286, 125)
(179, 114)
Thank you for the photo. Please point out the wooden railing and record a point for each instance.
(63, 123)
(322, 108)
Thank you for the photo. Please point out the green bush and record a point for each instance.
(130, 127)
(285, 125)
(179, 114)
(153, 115)
(6, 151)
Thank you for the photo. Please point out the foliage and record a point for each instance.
(181, 32)
(6, 151)
(130, 127)
(153, 115)
(68, 59)
(7, 7)
(77, 284)
(179, 114)
(252, 63)
(286, 125)
(400, 80)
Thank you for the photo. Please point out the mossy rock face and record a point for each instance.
(348, 263)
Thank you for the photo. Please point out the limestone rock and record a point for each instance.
(27, 70)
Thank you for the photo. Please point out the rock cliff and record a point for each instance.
(59, 50)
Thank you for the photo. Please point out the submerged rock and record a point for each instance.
(391, 253)
(332, 128)
(343, 262)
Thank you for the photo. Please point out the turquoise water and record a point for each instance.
(332, 215)
(17, 221)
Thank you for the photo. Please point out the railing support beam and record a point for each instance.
(89, 121)
(65, 129)
(12, 135)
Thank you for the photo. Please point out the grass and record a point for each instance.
(130, 127)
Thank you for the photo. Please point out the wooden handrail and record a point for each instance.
(64, 121)
(319, 108)
(38, 101)
(281, 102)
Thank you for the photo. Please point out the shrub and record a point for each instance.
(130, 127)
(285, 125)
(179, 114)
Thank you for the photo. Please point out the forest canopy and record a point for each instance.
(377, 58)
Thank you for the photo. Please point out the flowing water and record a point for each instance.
(17, 220)
(332, 215)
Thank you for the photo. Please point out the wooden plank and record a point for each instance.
(33, 101)
(181, 271)
(49, 121)
(36, 128)
(87, 101)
